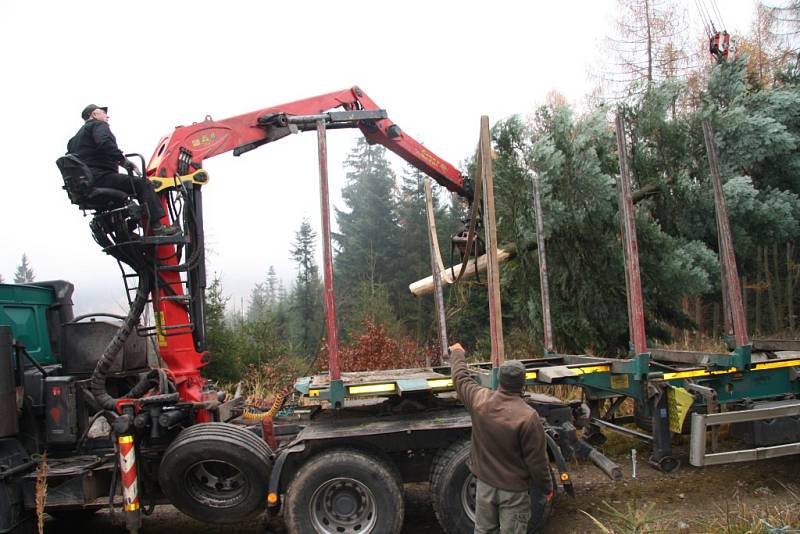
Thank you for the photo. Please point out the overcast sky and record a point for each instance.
(434, 66)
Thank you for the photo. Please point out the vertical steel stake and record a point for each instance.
(437, 267)
(336, 385)
(730, 279)
(493, 269)
(543, 281)
(630, 246)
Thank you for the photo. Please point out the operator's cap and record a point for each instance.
(89, 109)
(512, 376)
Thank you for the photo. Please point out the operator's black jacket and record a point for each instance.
(96, 146)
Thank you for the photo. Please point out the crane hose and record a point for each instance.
(98, 381)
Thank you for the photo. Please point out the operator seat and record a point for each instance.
(78, 185)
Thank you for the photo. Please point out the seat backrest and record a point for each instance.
(78, 179)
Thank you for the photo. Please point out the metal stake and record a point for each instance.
(493, 269)
(336, 385)
(727, 258)
(630, 246)
(543, 281)
(437, 268)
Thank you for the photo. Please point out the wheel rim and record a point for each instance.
(468, 491)
(216, 483)
(342, 506)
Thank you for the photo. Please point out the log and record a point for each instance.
(425, 286)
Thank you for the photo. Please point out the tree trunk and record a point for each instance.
(649, 44)
(789, 286)
(685, 308)
(771, 304)
(744, 299)
(716, 327)
(778, 289)
(698, 316)
(758, 303)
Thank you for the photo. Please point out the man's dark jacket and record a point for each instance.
(96, 146)
(509, 450)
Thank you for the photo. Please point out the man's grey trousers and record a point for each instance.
(501, 511)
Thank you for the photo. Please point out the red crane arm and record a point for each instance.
(184, 151)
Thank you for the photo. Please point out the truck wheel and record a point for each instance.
(453, 488)
(216, 473)
(344, 491)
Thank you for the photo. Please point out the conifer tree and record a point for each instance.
(24, 273)
(368, 231)
(307, 292)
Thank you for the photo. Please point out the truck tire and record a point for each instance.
(216, 473)
(345, 491)
(453, 493)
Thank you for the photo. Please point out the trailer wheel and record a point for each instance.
(344, 491)
(453, 488)
(216, 473)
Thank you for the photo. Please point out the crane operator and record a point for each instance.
(96, 146)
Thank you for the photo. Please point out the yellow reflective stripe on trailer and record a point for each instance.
(764, 366)
(591, 369)
(697, 373)
(436, 383)
(775, 365)
(371, 388)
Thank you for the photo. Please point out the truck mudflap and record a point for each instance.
(561, 464)
(274, 490)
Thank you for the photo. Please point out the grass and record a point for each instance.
(633, 519)
(729, 518)
(41, 492)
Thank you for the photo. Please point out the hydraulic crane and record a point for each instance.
(176, 438)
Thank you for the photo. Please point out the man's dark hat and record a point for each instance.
(512, 376)
(89, 109)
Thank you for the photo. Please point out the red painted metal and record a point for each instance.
(177, 349)
(727, 257)
(543, 278)
(327, 256)
(210, 138)
(268, 433)
(630, 246)
(128, 470)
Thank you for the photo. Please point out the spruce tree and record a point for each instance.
(368, 230)
(307, 293)
(24, 273)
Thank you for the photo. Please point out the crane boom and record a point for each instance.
(178, 158)
(184, 150)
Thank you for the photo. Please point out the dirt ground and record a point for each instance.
(687, 501)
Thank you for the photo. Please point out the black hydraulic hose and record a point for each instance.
(98, 382)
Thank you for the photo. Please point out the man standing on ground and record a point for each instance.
(96, 146)
(509, 452)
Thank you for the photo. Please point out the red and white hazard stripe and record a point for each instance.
(127, 463)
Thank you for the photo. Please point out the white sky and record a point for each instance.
(434, 66)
